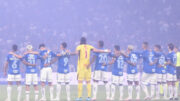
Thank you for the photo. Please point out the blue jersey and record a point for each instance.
(14, 64)
(63, 63)
(173, 58)
(47, 60)
(149, 57)
(133, 58)
(118, 66)
(160, 66)
(101, 58)
(32, 59)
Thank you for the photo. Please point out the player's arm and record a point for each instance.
(18, 56)
(27, 63)
(52, 62)
(154, 62)
(31, 52)
(92, 61)
(100, 51)
(129, 62)
(5, 68)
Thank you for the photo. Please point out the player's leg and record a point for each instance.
(175, 90)
(137, 85)
(121, 87)
(88, 84)
(67, 81)
(153, 83)
(164, 86)
(145, 82)
(80, 77)
(43, 76)
(60, 79)
(130, 89)
(51, 88)
(104, 77)
(113, 86)
(9, 87)
(28, 83)
(19, 88)
(35, 83)
(158, 86)
(170, 88)
(96, 78)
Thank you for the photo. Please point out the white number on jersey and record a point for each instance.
(120, 62)
(133, 58)
(103, 58)
(66, 61)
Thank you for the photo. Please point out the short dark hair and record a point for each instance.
(41, 45)
(117, 47)
(83, 40)
(158, 46)
(146, 43)
(14, 47)
(64, 44)
(171, 46)
(101, 43)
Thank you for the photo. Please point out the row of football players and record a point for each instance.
(154, 72)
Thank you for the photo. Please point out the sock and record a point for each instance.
(19, 93)
(152, 90)
(170, 91)
(121, 91)
(51, 92)
(58, 91)
(175, 91)
(145, 90)
(130, 88)
(9, 88)
(89, 89)
(95, 89)
(113, 88)
(36, 95)
(138, 92)
(164, 86)
(107, 91)
(27, 95)
(43, 91)
(80, 86)
(68, 91)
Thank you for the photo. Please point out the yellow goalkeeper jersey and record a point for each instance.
(84, 56)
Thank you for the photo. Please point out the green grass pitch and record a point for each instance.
(100, 97)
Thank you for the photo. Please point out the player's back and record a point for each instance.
(133, 58)
(14, 64)
(63, 64)
(161, 60)
(101, 58)
(118, 65)
(32, 59)
(172, 58)
(49, 57)
(148, 57)
(84, 53)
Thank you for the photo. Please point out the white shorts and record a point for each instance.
(63, 78)
(100, 76)
(133, 77)
(117, 80)
(12, 78)
(46, 74)
(171, 77)
(161, 78)
(149, 78)
(31, 79)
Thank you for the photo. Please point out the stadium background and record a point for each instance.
(120, 22)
